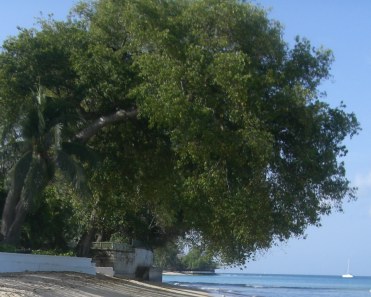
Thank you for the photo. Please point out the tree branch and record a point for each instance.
(118, 116)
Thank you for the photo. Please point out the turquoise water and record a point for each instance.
(264, 285)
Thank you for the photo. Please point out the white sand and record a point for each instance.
(79, 285)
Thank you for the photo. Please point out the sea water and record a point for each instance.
(264, 285)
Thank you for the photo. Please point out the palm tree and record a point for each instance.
(39, 148)
(40, 152)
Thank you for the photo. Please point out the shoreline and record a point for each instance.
(63, 284)
(189, 273)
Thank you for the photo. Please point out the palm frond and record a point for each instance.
(30, 126)
(7, 133)
(10, 153)
(17, 174)
(35, 117)
(40, 97)
(41, 121)
(52, 139)
(57, 134)
(34, 182)
(73, 172)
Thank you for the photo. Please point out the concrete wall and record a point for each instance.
(155, 275)
(143, 258)
(11, 262)
(125, 262)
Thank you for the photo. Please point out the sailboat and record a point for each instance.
(347, 275)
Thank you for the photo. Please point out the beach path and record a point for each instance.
(65, 284)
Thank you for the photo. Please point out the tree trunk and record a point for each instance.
(83, 247)
(13, 233)
(20, 199)
(8, 212)
(19, 174)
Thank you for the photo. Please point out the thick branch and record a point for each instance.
(118, 116)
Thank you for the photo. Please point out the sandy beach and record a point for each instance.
(76, 284)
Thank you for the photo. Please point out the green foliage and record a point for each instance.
(37, 167)
(197, 260)
(172, 258)
(233, 141)
(168, 257)
(7, 248)
(56, 222)
(53, 253)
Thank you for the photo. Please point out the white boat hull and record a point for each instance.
(347, 275)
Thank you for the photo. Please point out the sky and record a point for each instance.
(345, 28)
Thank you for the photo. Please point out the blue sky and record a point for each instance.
(344, 27)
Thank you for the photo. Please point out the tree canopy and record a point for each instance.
(203, 120)
(172, 258)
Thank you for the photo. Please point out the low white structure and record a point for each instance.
(126, 260)
(12, 262)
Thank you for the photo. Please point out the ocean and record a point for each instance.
(264, 285)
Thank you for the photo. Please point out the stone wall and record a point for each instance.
(13, 262)
(126, 261)
(123, 262)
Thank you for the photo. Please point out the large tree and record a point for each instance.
(205, 119)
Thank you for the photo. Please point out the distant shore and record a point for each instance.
(205, 272)
(76, 284)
